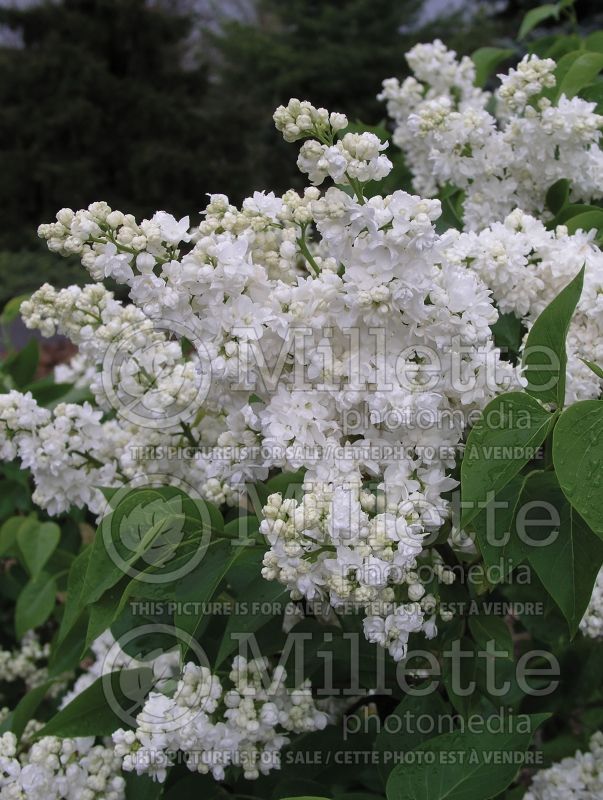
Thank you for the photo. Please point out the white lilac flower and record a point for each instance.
(330, 333)
(591, 624)
(526, 266)
(579, 777)
(502, 160)
(245, 725)
(52, 768)
(27, 662)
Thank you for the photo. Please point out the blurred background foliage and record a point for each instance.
(151, 105)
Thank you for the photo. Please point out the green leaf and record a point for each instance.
(200, 585)
(192, 787)
(586, 221)
(537, 15)
(35, 603)
(561, 46)
(582, 71)
(594, 94)
(27, 707)
(557, 195)
(287, 483)
(594, 42)
(143, 787)
(243, 529)
(255, 609)
(594, 367)
(65, 654)
(486, 59)
(545, 355)
(76, 600)
(145, 524)
(507, 332)
(460, 672)
(488, 628)
(462, 766)
(147, 532)
(47, 394)
(22, 366)
(11, 310)
(570, 211)
(9, 531)
(512, 428)
(37, 544)
(578, 459)
(100, 709)
(565, 554)
(494, 527)
(395, 738)
(103, 612)
(6, 723)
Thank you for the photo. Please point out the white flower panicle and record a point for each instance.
(501, 161)
(331, 333)
(576, 778)
(27, 662)
(526, 266)
(333, 545)
(214, 728)
(52, 768)
(58, 769)
(299, 119)
(69, 451)
(355, 157)
(531, 77)
(591, 623)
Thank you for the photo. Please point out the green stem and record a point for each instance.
(357, 187)
(186, 429)
(90, 459)
(301, 243)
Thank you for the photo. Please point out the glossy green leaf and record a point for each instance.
(399, 732)
(35, 603)
(37, 544)
(593, 367)
(486, 59)
(26, 707)
(9, 531)
(594, 42)
(512, 428)
(557, 195)
(199, 586)
(537, 15)
(49, 393)
(12, 309)
(559, 545)
(76, 600)
(578, 459)
(487, 628)
(545, 355)
(507, 332)
(494, 528)
(142, 526)
(462, 766)
(262, 601)
(22, 366)
(100, 709)
(143, 787)
(586, 221)
(583, 71)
